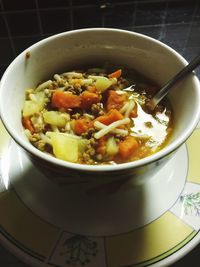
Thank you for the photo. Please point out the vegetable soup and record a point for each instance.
(96, 116)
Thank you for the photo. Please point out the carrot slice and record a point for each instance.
(115, 74)
(82, 125)
(127, 147)
(115, 100)
(101, 147)
(110, 117)
(27, 123)
(89, 98)
(91, 89)
(62, 99)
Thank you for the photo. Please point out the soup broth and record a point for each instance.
(96, 116)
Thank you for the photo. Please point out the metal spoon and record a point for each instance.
(180, 75)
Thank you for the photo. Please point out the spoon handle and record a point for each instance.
(180, 75)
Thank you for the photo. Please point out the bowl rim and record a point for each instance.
(168, 149)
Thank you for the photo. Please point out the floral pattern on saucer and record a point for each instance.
(188, 206)
(78, 250)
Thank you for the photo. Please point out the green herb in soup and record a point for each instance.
(95, 116)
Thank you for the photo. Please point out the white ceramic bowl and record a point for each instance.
(72, 49)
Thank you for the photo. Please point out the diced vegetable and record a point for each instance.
(82, 125)
(54, 118)
(128, 146)
(91, 89)
(101, 148)
(115, 100)
(40, 98)
(82, 143)
(64, 147)
(102, 83)
(30, 107)
(113, 80)
(110, 117)
(34, 105)
(111, 146)
(115, 74)
(62, 99)
(89, 98)
(28, 124)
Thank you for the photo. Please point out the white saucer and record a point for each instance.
(46, 224)
(97, 209)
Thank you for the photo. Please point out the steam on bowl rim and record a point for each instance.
(169, 148)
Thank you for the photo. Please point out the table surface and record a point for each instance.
(176, 23)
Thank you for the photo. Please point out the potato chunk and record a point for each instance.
(65, 147)
(34, 105)
(112, 147)
(30, 107)
(54, 118)
(103, 83)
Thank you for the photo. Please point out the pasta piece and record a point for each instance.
(57, 78)
(129, 109)
(124, 108)
(120, 92)
(111, 127)
(72, 74)
(87, 81)
(140, 136)
(100, 125)
(45, 138)
(95, 77)
(43, 86)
